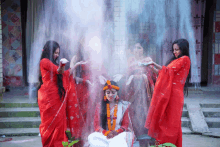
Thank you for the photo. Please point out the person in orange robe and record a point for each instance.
(164, 118)
(56, 98)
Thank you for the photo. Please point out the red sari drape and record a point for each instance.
(164, 117)
(88, 96)
(82, 91)
(53, 111)
(139, 93)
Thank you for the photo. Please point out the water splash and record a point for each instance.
(157, 22)
(160, 22)
(65, 22)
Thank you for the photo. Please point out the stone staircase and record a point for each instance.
(204, 119)
(19, 119)
(185, 121)
(211, 113)
(23, 119)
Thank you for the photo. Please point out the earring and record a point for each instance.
(105, 98)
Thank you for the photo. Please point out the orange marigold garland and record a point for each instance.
(108, 116)
(111, 127)
(115, 117)
(105, 98)
(106, 133)
(110, 86)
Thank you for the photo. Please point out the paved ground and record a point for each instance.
(202, 95)
(188, 141)
(200, 141)
(24, 141)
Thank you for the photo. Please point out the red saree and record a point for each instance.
(82, 90)
(88, 96)
(52, 109)
(164, 117)
(139, 93)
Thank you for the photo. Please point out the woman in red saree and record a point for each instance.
(87, 89)
(56, 98)
(139, 90)
(164, 117)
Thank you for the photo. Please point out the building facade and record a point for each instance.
(13, 58)
(12, 43)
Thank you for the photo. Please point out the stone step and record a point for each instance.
(15, 105)
(34, 111)
(197, 119)
(213, 122)
(186, 130)
(20, 112)
(210, 105)
(185, 122)
(211, 112)
(215, 132)
(8, 132)
(185, 113)
(20, 122)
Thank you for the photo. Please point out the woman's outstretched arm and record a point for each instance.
(154, 67)
(157, 66)
(74, 64)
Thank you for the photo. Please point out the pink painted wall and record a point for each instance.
(11, 43)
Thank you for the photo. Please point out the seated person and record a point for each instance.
(111, 121)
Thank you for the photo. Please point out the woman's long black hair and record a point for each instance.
(184, 48)
(48, 51)
(103, 114)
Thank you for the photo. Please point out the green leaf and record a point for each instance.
(73, 142)
(72, 138)
(65, 144)
(68, 134)
(67, 131)
(164, 145)
(169, 144)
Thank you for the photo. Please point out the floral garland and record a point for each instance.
(111, 127)
(110, 86)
